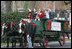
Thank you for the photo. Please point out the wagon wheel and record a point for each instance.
(46, 42)
(62, 40)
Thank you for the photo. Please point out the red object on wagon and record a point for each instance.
(34, 25)
(66, 22)
(48, 24)
(66, 25)
(12, 24)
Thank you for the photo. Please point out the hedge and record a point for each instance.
(13, 16)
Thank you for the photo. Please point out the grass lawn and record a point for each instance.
(4, 44)
(67, 39)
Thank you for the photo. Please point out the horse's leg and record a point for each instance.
(7, 41)
(12, 43)
(25, 40)
(20, 40)
(15, 43)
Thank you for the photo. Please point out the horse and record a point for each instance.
(10, 29)
(28, 29)
(21, 29)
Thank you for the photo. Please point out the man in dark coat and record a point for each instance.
(29, 33)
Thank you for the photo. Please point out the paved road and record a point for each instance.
(51, 45)
(57, 45)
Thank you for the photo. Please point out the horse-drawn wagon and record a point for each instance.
(47, 30)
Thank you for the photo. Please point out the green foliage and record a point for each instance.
(13, 16)
(67, 39)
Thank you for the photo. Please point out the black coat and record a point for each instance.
(29, 29)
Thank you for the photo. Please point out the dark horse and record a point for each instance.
(10, 29)
(28, 29)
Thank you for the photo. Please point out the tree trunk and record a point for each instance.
(8, 6)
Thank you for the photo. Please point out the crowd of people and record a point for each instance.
(38, 14)
(45, 14)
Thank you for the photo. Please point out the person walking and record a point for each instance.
(29, 33)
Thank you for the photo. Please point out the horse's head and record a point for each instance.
(22, 26)
(4, 26)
